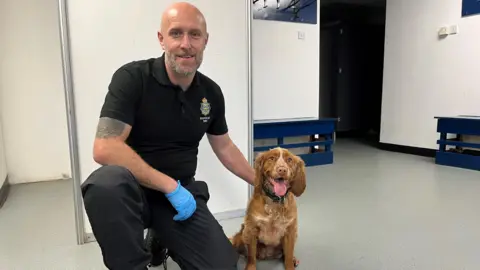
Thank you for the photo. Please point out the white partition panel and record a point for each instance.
(285, 64)
(103, 35)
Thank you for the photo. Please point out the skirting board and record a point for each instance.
(230, 214)
(284, 120)
(424, 152)
(4, 191)
(219, 216)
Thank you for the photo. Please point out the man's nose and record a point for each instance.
(186, 42)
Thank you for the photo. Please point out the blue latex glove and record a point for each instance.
(183, 201)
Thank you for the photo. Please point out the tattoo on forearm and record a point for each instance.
(108, 127)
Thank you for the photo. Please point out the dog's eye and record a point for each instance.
(271, 158)
(289, 159)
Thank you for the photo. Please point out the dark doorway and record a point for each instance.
(352, 38)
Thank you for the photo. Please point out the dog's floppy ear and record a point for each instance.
(299, 182)
(258, 166)
(259, 159)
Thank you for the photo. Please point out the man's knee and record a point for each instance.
(226, 257)
(199, 190)
(105, 180)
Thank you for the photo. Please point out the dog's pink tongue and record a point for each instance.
(280, 188)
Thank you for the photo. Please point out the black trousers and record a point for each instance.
(119, 210)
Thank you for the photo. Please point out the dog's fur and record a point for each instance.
(270, 227)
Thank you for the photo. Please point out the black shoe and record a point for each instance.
(159, 253)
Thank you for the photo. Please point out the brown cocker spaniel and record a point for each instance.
(270, 227)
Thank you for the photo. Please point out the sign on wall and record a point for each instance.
(470, 7)
(300, 11)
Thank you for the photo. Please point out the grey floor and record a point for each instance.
(370, 210)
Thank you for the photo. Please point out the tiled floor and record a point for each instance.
(371, 210)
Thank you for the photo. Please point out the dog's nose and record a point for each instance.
(281, 170)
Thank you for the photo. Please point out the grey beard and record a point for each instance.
(181, 72)
(177, 69)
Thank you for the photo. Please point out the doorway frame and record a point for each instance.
(71, 120)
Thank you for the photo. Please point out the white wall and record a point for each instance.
(285, 79)
(32, 102)
(3, 163)
(424, 76)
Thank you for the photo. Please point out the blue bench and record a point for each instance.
(324, 128)
(458, 125)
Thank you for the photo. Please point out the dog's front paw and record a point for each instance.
(250, 267)
(296, 262)
(292, 265)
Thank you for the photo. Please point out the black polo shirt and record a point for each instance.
(167, 122)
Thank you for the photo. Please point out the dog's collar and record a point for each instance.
(274, 197)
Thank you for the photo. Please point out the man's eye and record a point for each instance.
(196, 35)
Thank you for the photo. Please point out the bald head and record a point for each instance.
(183, 36)
(180, 11)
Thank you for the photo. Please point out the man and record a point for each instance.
(155, 113)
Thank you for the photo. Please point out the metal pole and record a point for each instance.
(250, 95)
(71, 119)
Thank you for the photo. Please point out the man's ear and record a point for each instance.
(160, 39)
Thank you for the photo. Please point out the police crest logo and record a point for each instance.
(205, 110)
(205, 107)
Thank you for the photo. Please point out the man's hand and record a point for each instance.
(228, 153)
(183, 201)
(110, 149)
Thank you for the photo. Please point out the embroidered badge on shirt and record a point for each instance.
(205, 110)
